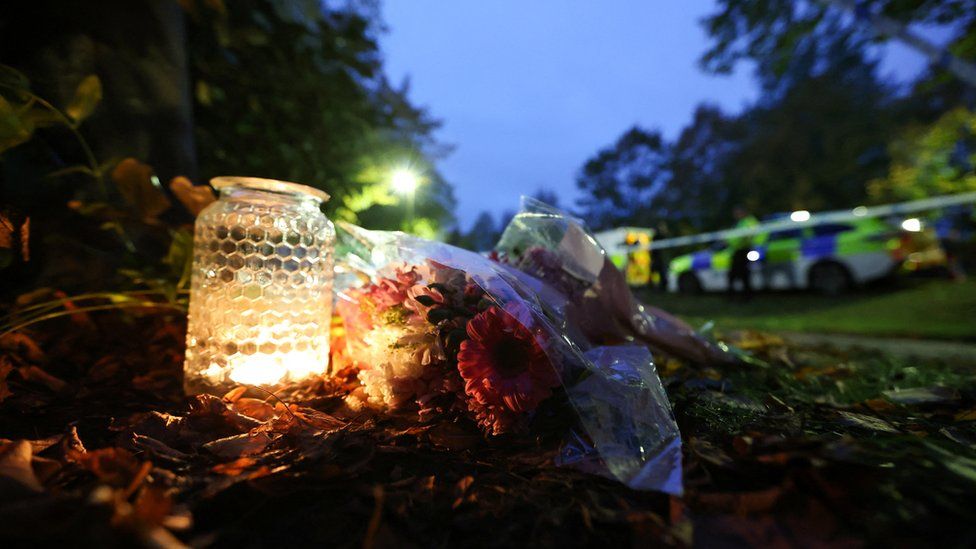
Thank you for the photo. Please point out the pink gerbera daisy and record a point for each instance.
(505, 369)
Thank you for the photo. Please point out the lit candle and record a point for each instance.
(261, 294)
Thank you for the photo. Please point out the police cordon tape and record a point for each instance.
(862, 212)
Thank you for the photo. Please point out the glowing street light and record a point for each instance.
(800, 216)
(753, 255)
(404, 181)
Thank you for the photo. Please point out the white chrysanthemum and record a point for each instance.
(395, 356)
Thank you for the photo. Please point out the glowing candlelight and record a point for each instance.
(261, 296)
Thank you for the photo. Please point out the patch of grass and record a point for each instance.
(933, 309)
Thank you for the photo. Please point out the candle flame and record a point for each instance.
(262, 369)
(257, 370)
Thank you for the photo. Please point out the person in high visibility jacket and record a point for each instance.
(741, 246)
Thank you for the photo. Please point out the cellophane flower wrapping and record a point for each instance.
(437, 330)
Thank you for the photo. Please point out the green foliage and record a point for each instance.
(939, 158)
(129, 208)
(820, 133)
(87, 97)
(700, 192)
(15, 127)
(295, 90)
(813, 144)
(786, 38)
(22, 112)
(818, 144)
(620, 180)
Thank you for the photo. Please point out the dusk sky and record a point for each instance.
(528, 91)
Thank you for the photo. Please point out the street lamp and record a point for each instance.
(405, 182)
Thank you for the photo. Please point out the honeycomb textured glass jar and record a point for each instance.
(261, 291)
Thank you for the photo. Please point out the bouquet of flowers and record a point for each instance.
(552, 245)
(508, 343)
(428, 335)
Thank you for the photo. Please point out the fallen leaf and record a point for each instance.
(966, 437)
(140, 189)
(255, 408)
(15, 229)
(295, 419)
(879, 404)
(966, 415)
(157, 447)
(71, 442)
(193, 197)
(45, 468)
(241, 445)
(152, 505)
(742, 502)
(866, 422)
(708, 452)
(208, 413)
(114, 466)
(752, 340)
(22, 345)
(15, 464)
(234, 394)
(5, 368)
(461, 489)
(36, 375)
(234, 468)
(922, 395)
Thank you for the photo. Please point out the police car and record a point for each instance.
(828, 257)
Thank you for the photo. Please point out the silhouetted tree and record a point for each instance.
(295, 89)
(620, 182)
(783, 36)
(813, 142)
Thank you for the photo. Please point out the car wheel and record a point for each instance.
(830, 279)
(688, 283)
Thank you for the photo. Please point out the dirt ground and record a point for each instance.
(805, 445)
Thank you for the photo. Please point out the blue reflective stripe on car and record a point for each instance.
(701, 261)
(819, 246)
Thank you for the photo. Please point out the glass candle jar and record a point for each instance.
(261, 292)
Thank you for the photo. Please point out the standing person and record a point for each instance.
(741, 246)
(958, 242)
(659, 262)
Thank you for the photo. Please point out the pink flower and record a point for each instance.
(421, 299)
(388, 292)
(505, 369)
(440, 391)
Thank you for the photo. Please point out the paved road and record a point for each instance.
(920, 348)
